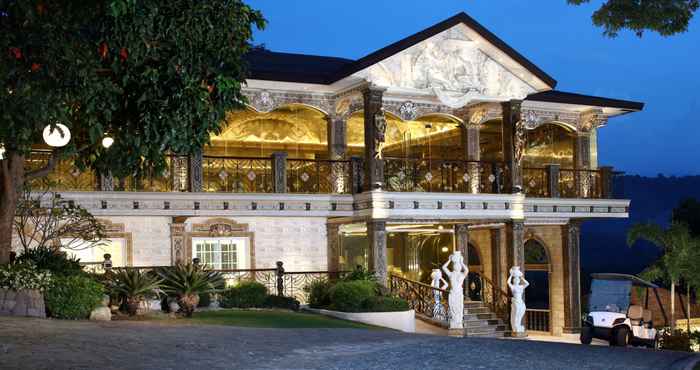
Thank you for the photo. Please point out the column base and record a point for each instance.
(574, 330)
(513, 334)
(457, 333)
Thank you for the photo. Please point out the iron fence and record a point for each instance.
(318, 176)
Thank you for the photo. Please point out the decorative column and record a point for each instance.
(177, 242)
(553, 180)
(333, 235)
(178, 167)
(106, 182)
(462, 240)
(607, 178)
(513, 143)
(582, 161)
(375, 130)
(571, 239)
(376, 232)
(337, 147)
(279, 172)
(515, 243)
(496, 257)
(356, 175)
(196, 177)
(470, 141)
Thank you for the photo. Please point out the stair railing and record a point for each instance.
(496, 299)
(429, 303)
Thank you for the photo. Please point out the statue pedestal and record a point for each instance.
(458, 333)
(517, 334)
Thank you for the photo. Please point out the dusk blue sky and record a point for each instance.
(559, 38)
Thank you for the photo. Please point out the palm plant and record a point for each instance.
(187, 281)
(677, 245)
(133, 285)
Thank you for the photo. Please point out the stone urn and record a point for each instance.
(103, 312)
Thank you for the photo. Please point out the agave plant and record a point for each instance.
(187, 281)
(134, 286)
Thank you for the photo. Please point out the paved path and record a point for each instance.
(53, 344)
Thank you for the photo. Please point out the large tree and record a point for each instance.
(667, 17)
(156, 76)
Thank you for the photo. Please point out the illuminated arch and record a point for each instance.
(550, 143)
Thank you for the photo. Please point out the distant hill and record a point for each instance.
(603, 242)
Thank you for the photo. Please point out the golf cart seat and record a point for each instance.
(638, 315)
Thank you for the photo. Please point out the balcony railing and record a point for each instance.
(443, 176)
(237, 174)
(320, 176)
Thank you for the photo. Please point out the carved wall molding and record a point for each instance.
(265, 101)
(223, 228)
(118, 231)
(591, 119)
(534, 118)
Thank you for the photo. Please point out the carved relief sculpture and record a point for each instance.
(379, 134)
(456, 298)
(517, 284)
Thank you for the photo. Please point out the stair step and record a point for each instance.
(477, 310)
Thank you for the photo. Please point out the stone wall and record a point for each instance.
(150, 238)
(23, 303)
(299, 242)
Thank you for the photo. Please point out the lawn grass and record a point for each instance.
(272, 319)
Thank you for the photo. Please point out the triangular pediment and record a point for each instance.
(455, 67)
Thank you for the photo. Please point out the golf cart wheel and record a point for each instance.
(620, 337)
(586, 335)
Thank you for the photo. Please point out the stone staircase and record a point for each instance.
(479, 321)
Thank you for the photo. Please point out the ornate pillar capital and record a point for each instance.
(591, 119)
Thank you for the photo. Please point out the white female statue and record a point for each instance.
(456, 298)
(438, 283)
(517, 285)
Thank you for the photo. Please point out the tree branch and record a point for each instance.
(43, 172)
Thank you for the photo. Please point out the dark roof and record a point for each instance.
(554, 96)
(270, 65)
(462, 17)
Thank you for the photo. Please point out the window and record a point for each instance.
(115, 247)
(221, 253)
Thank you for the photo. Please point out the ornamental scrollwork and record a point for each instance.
(591, 119)
(263, 102)
(379, 133)
(408, 111)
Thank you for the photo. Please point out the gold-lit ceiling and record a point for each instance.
(549, 144)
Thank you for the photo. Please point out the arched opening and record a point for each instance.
(538, 293)
(297, 129)
(491, 141)
(433, 136)
(550, 143)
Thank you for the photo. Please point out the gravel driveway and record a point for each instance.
(53, 344)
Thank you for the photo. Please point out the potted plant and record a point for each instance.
(134, 286)
(186, 282)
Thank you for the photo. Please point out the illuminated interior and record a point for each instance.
(491, 141)
(93, 254)
(432, 136)
(413, 251)
(550, 143)
(297, 129)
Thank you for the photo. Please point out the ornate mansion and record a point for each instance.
(446, 140)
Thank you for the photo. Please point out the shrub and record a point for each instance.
(24, 276)
(679, 340)
(348, 296)
(133, 286)
(275, 301)
(384, 304)
(360, 274)
(319, 293)
(73, 297)
(204, 300)
(187, 281)
(51, 259)
(247, 294)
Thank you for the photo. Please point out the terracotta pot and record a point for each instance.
(188, 303)
(132, 306)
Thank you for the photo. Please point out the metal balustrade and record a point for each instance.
(537, 320)
(318, 176)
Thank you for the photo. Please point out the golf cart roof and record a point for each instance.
(636, 281)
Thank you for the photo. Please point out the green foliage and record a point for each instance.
(204, 300)
(73, 297)
(275, 301)
(688, 212)
(247, 294)
(678, 340)
(676, 244)
(360, 274)
(384, 304)
(667, 17)
(132, 283)
(348, 296)
(185, 279)
(319, 293)
(20, 276)
(51, 259)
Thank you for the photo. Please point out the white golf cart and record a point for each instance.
(612, 318)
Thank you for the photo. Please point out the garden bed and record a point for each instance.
(404, 321)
